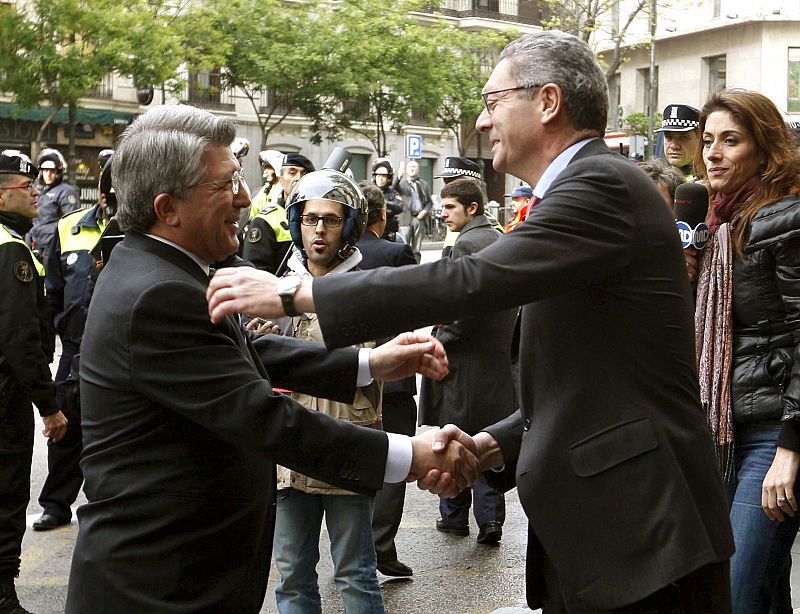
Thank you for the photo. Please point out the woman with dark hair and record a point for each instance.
(748, 330)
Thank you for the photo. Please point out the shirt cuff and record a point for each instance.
(364, 377)
(398, 458)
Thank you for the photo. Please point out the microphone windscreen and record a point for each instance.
(691, 203)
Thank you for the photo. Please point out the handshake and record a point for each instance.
(447, 461)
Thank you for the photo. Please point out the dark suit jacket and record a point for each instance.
(614, 462)
(377, 252)
(404, 188)
(479, 389)
(181, 432)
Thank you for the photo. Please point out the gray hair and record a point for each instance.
(161, 151)
(663, 173)
(556, 57)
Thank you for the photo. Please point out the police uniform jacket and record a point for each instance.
(54, 201)
(266, 238)
(181, 433)
(26, 339)
(613, 460)
(479, 389)
(70, 271)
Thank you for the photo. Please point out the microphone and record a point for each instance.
(691, 208)
(338, 160)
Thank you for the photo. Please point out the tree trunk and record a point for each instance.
(71, 153)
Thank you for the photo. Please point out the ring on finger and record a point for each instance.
(781, 500)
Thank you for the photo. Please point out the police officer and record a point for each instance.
(383, 177)
(681, 128)
(266, 237)
(26, 348)
(69, 281)
(56, 199)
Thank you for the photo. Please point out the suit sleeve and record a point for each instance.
(580, 233)
(190, 366)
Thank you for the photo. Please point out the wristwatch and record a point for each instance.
(287, 288)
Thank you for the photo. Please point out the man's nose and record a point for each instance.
(484, 121)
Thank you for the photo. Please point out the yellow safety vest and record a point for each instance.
(7, 236)
(275, 216)
(86, 237)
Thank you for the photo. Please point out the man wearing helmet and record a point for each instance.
(266, 237)
(69, 280)
(56, 198)
(327, 215)
(26, 349)
(383, 177)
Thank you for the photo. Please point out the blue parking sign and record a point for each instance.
(413, 146)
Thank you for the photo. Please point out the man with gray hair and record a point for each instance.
(609, 450)
(181, 426)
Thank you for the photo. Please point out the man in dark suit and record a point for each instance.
(417, 206)
(181, 426)
(399, 408)
(479, 389)
(613, 461)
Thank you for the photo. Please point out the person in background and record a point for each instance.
(748, 346)
(327, 215)
(69, 280)
(479, 389)
(26, 349)
(399, 409)
(666, 177)
(679, 125)
(417, 206)
(520, 202)
(383, 177)
(56, 198)
(266, 237)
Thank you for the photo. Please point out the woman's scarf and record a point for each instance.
(724, 205)
(713, 325)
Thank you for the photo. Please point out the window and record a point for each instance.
(793, 104)
(716, 72)
(643, 89)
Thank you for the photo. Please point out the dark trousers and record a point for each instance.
(64, 475)
(488, 505)
(399, 416)
(16, 452)
(704, 591)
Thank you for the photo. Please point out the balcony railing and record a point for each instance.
(205, 89)
(105, 88)
(503, 10)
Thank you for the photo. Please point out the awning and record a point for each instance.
(82, 116)
(614, 140)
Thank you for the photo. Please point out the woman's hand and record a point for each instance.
(691, 255)
(777, 492)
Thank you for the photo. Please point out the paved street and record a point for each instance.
(451, 574)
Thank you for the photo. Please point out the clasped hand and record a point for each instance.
(445, 461)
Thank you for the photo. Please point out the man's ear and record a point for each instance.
(551, 100)
(165, 207)
(473, 207)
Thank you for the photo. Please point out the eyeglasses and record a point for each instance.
(22, 186)
(329, 221)
(490, 104)
(236, 181)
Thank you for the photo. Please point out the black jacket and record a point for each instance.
(609, 396)
(55, 201)
(765, 381)
(26, 339)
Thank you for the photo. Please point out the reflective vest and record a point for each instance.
(9, 236)
(275, 216)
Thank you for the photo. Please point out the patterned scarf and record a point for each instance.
(713, 325)
(725, 205)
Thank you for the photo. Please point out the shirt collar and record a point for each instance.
(556, 167)
(203, 265)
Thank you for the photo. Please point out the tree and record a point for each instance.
(470, 56)
(599, 22)
(272, 51)
(387, 69)
(638, 123)
(58, 51)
